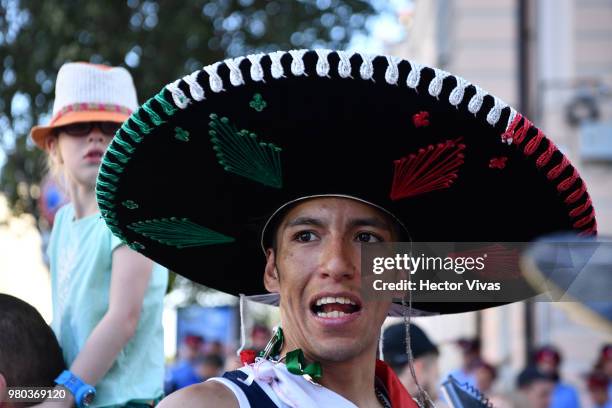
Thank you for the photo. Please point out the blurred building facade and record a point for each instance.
(552, 60)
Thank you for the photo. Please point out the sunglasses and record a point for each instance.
(84, 128)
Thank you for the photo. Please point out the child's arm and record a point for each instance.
(129, 281)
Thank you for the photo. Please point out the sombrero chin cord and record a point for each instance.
(242, 329)
(423, 400)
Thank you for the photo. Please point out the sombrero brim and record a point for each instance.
(193, 176)
(39, 133)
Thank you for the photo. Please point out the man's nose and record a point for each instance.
(339, 259)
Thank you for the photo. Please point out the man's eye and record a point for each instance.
(305, 236)
(368, 237)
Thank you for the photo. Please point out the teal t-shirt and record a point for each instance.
(80, 254)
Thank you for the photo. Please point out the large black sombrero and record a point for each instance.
(193, 176)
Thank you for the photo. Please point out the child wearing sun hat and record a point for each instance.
(107, 298)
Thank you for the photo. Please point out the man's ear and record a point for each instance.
(271, 274)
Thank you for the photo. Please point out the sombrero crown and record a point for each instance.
(86, 92)
(194, 175)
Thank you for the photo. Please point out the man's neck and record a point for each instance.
(83, 200)
(353, 379)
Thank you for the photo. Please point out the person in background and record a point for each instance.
(183, 373)
(209, 366)
(535, 388)
(548, 360)
(260, 334)
(424, 352)
(107, 298)
(604, 364)
(470, 353)
(598, 384)
(30, 355)
(485, 375)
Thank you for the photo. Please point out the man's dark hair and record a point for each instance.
(30, 355)
(270, 238)
(530, 375)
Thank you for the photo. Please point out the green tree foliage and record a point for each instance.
(158, 41)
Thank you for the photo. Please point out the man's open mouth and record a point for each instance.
(335, 306)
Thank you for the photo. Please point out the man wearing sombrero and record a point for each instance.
(306, 155)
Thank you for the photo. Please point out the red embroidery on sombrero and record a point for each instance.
(534, 143)
(514, 134)
(568, 182)
(592, 230)
(584, 220)
(498, 162)
(83, 107)
(421, 119)
(431, 168)
(546, 155)
(576, 195)
(501, 262)
(558, 169)
(581, 208)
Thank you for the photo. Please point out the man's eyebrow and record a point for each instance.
(305, 221)
(369, 222)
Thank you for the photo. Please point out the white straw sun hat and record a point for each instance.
(87, 92)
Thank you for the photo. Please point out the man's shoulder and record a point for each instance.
(202, 395)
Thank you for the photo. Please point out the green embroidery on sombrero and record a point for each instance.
(178, 232)
(104, 203)
(106, 185)
(258, 102)
(108, 214)
(155, 118)
(168, 108)
(120, 156)
(144, 128)
(124, 145)
(110, 176)
(181, 134)
(129, 204)
(136, 246)
(240, 152)
(105, 194)
(136, 137)
(117, 168)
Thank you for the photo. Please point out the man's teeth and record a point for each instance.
(340, 300)
(333, 314)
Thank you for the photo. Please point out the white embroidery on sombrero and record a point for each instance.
(456, 95)
(344, 66)
(277, 67)
(367, 67)
(495, 112)
(435, 86)
(178, 96)
(392, 72)
(235, 74)
(214, 80)
(257, 73)
(414, 77)
(322, 62)
(476, 102)
(196, 91)
(297, 63)
(513, 114)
